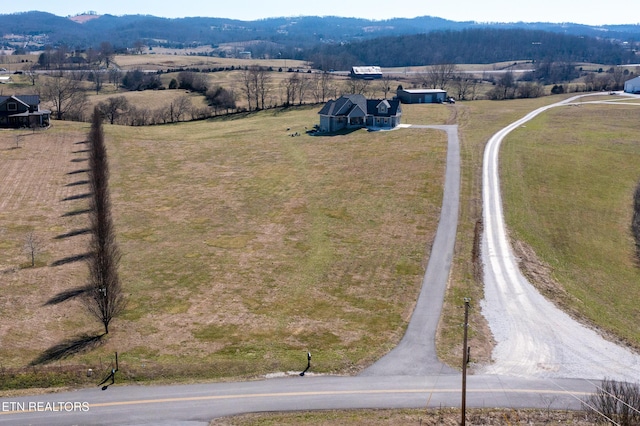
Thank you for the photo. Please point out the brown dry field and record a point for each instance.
(39, 193)
(166, 60)
(151, 100)
(240, 251)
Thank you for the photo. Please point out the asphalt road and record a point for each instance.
(198, 404)
(410, 376)
(415, 355)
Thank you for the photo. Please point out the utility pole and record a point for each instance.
(465, 361)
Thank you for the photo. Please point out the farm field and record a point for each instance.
(243, 247)
(164, 59)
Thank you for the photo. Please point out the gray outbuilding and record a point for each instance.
(632, 86)
(421, 96)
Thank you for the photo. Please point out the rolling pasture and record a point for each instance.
(243, 247)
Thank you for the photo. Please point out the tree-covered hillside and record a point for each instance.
(294, 32)
(472, 46)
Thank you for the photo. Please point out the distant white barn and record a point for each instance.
(366, 73)
(632, 86)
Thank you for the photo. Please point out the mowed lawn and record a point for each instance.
(243, 247)
(569, 178)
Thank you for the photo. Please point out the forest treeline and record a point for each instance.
(471, 46)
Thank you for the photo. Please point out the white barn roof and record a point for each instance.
(366, 70)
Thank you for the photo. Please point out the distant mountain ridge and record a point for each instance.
(290, 32)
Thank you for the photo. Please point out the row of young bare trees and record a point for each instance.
(104, 297)
(257, 87)
(118, 110)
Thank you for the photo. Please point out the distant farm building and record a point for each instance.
(632, 86)
(366, 73)
(356, 111)
(421, 96)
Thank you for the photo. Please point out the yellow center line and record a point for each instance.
(313, 393)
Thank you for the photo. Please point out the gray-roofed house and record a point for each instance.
(356, 111)
(22, 111)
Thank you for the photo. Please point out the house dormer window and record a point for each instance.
(12, 106)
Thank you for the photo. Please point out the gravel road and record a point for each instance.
(534, 338)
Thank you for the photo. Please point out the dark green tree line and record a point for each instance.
(470, 46)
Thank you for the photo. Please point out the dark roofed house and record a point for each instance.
(22, 111)
(383, 113)
(355, 111)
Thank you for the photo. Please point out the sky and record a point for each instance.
(461, 10)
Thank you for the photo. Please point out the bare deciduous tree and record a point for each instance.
(191, 80)
(290, 88)
(303, 86)
(179, 107)
(114, 76)
(357, 86)
(104, 298)
(322, 86)
(438, 76)
(505, 88)
(220, 98)
(247, 87)
(98, 78)
(30, 71)
(464, 86)
(138, 47)
(262, 80)
(113, 107)
(530, 90)
(64, 94)
(255, 86)
(32, 246)
(107, 52)
(385, 84)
